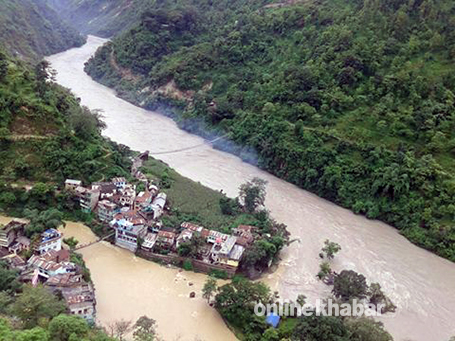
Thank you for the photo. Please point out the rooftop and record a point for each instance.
(49, 235)
(73, 182)
(166, 234)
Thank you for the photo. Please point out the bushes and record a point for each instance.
(187, 265)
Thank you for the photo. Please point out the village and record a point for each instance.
(49, 264)
(133, 219)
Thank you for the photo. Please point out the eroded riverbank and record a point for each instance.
(420, 283)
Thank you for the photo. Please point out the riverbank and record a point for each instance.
(420, 283)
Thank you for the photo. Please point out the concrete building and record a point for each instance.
(80, 300)
(166, 238)
(71, 185)
(106, 211)
(158, 205)
(20, 244)
(216, 237)
(149, 242)
(143, 199)
(88, 198)
(119, 182)
(107, 189)
(127, 196)
(184, 237)
(9, 233)
(129, 227)
(50, 240)
(48, 267)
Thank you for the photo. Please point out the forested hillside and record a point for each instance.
(103, 18)
(31, 29)
(45, 135)
(350, 99)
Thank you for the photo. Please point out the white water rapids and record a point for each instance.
(421, 284)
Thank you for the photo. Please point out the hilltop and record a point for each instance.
(352, 100)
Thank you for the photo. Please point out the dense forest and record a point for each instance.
(31, 29)
(352, 100)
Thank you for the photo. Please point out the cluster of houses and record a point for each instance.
(136, 219)
(216, 248)
(49, 264)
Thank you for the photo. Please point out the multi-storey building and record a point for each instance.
(50, 240)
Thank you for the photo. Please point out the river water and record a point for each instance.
(421, 284)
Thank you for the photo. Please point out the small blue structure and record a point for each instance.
(273, 319)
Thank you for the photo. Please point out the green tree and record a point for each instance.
(330, 249)
(324, 270)
(8, 334)
(252, 194)
(378, 297)
(8, 279)
(5, 300)
(144, 329)
(192, 247)
(301, 299)
(3, 69)
(71, 242)
(8, 198)
(37, 303)
(320, 328)
(271, 334)
(367, 329)
(235, 302)
(67, 327)
(348, 285)
(229, 206)
(209, 288)
(41, 221)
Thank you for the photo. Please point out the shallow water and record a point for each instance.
(421, 284)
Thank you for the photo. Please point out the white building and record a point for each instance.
(71, 184)
(50, 240)
(119, 182)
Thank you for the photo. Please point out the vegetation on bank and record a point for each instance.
(301, 319)
(31, 29)
(235, 302)
(352, 100)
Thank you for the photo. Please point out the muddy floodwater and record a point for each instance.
(128, 287)
(421, 284)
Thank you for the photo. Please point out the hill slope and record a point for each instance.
(45, 136)
(31, 29)
(353, 100)
(103, 18)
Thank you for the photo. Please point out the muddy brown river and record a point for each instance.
(421, 284)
